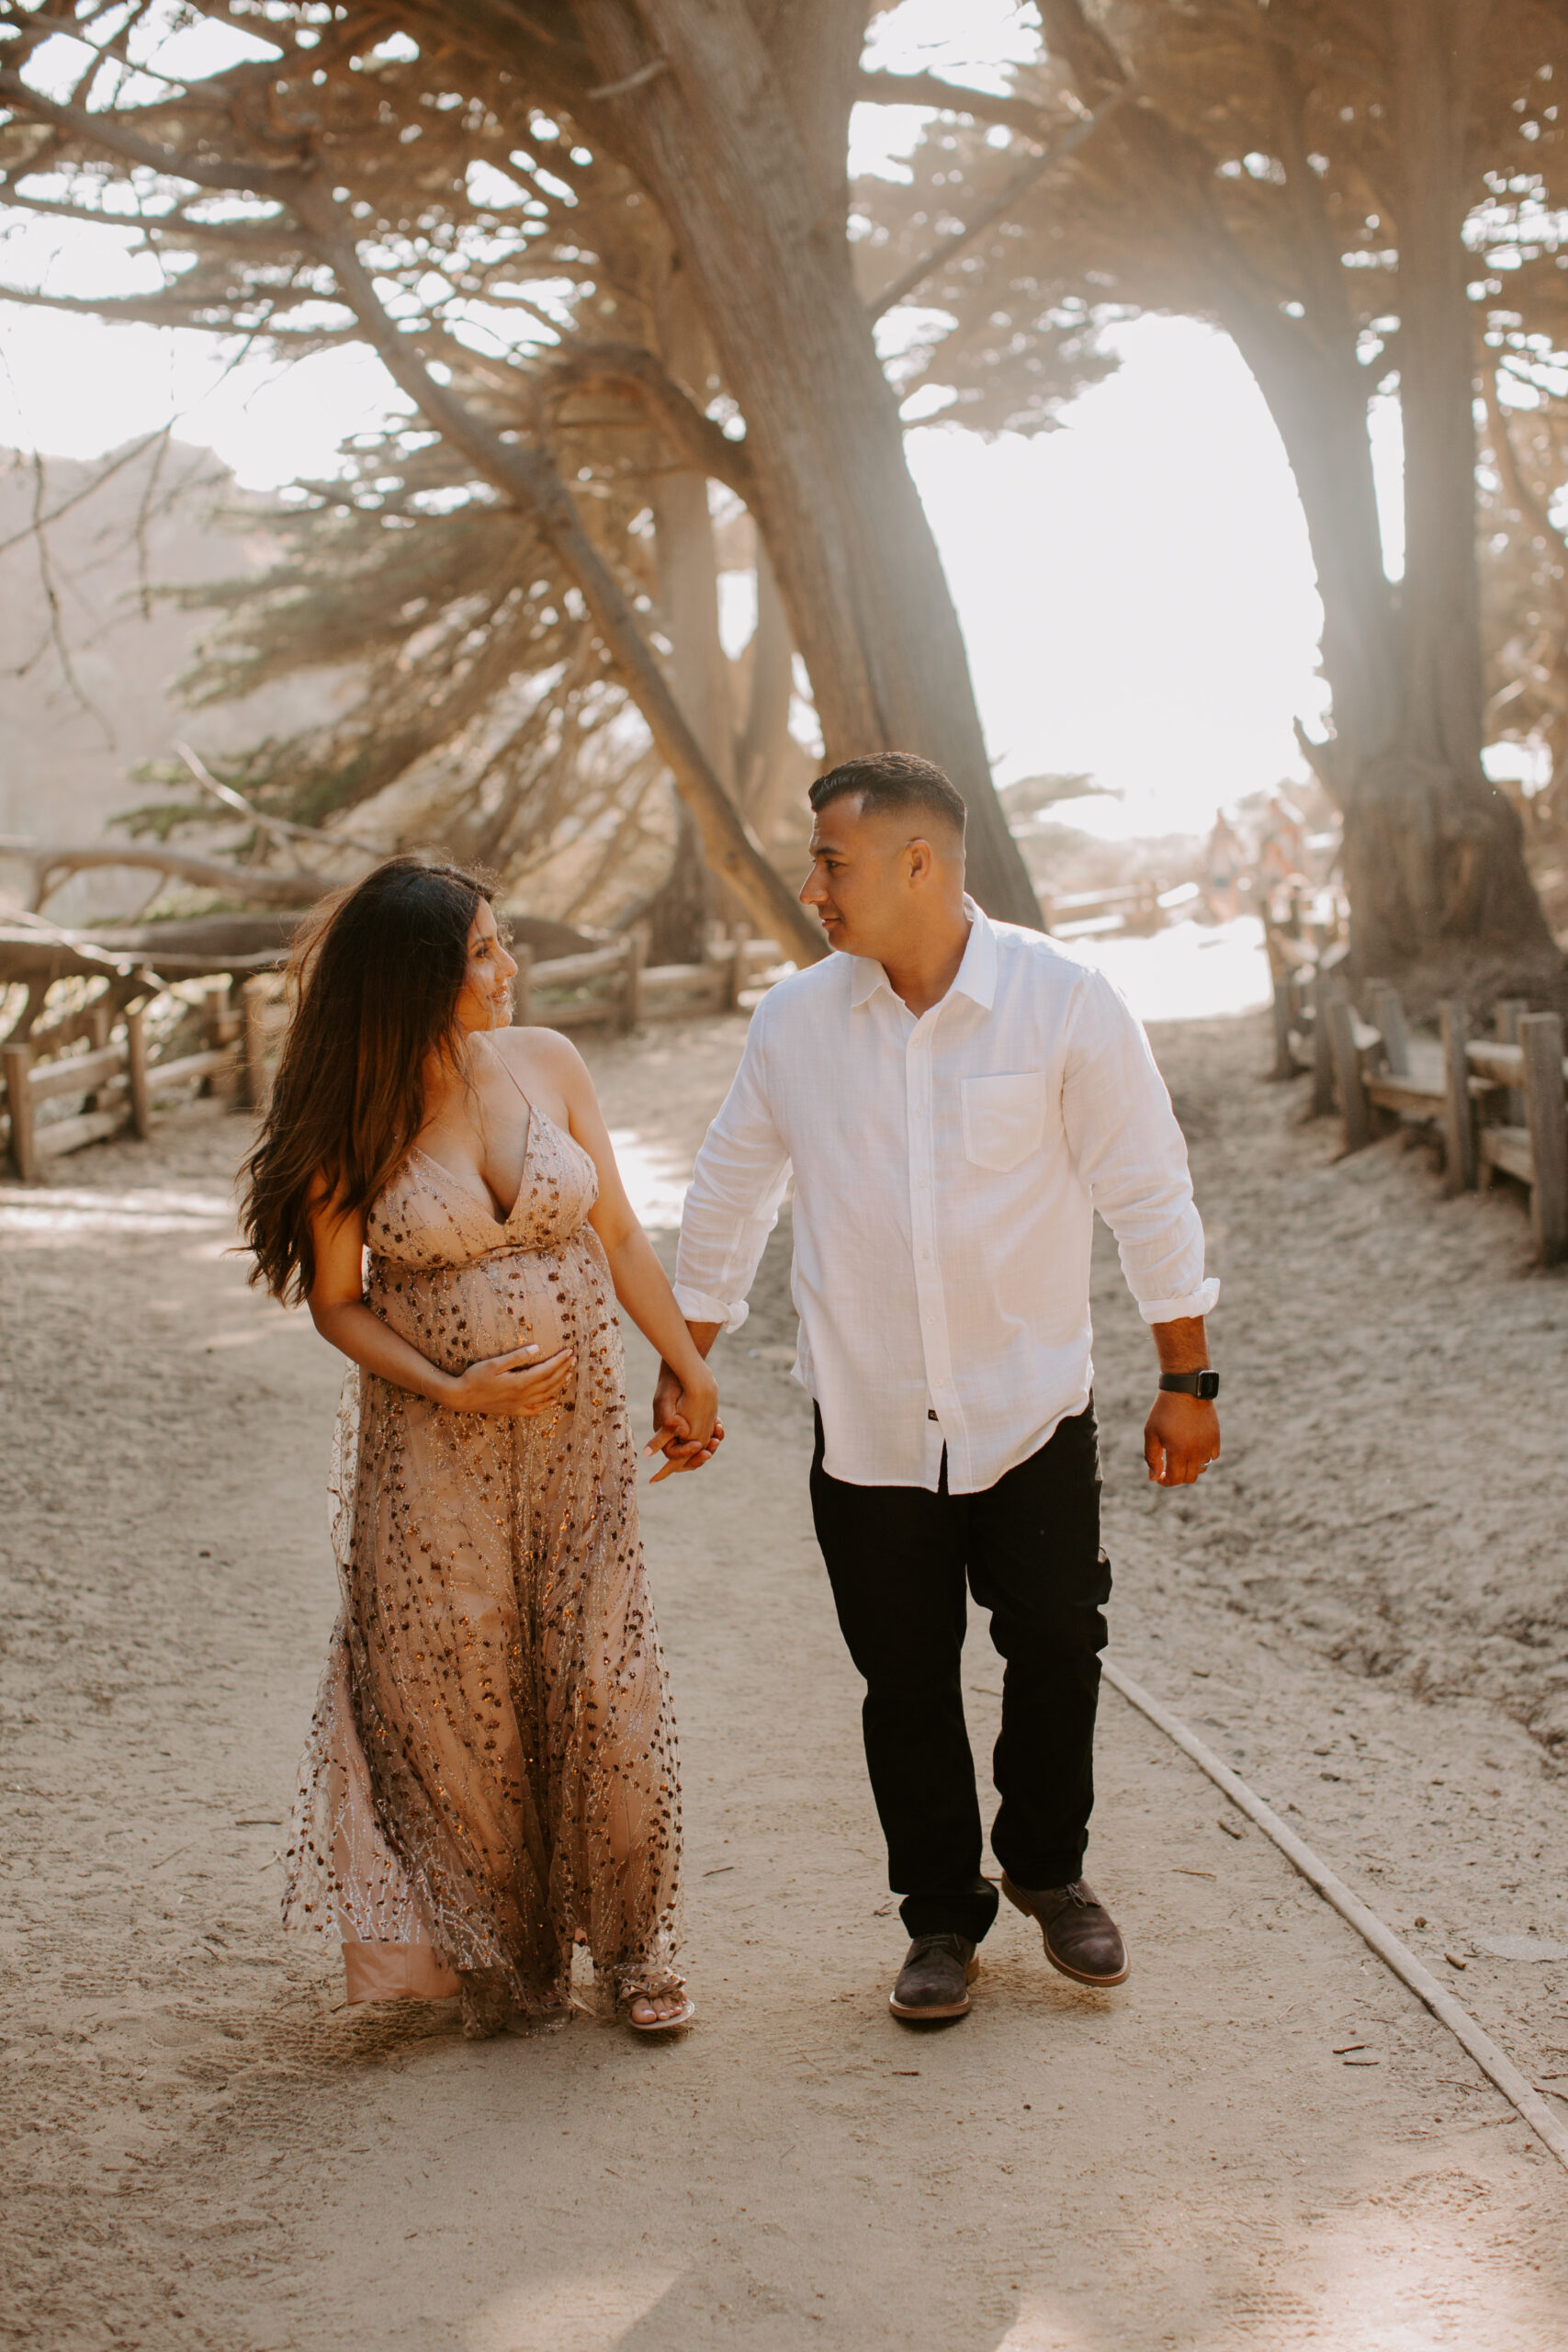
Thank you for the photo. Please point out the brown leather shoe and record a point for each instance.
(935, 1979)
(1082, 1939)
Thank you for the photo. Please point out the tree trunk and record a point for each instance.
(699, 673)
(677, 914)
(1318, 402)
(1434, 854)
(741, 142)
(762, 754)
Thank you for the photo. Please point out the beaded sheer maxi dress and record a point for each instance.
(489, 1783)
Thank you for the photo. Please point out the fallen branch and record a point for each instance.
(54, 861)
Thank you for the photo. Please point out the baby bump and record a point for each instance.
(459, 1315)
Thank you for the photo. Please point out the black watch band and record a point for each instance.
(1192, 1384)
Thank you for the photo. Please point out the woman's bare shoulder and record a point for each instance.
(543, 1061)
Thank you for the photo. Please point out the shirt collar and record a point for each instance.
(975, 976)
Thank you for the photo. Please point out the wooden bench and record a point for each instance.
(1500, 1104)
(1306, 984)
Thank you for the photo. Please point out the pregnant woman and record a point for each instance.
(489, 1789)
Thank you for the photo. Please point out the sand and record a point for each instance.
(1363, 1609)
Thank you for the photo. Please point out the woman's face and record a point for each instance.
(486, 999)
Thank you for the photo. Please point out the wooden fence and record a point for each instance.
(114, 1085)
(1139, 906)
(1497, 1106)
(613, 986)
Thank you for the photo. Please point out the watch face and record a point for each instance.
(1208, 1384)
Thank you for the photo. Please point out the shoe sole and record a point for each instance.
(929, 2014)
(1062, 1967)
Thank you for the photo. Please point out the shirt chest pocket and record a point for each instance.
(1004, 1119)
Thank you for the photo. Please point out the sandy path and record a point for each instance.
(209, 2152)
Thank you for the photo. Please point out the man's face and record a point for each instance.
(859, 886)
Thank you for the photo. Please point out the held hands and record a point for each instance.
(686, 1427)
(519, 1383)
(1181, 1437)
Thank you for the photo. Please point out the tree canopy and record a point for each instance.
(610, 254)
(517, 209)
(1368, 201)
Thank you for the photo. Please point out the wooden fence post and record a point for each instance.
(19, 1062)
(1322, 1047)
(1540, 1035)
(632, 1000)
(256, 996)
(1353, 1109)
(136, 1062)
(735, 979)
(523, 990)
(1507, 1015)
(1284, 1060)
(1458, 1112)
(1388, 1014)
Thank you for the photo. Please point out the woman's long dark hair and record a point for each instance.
(375, 975)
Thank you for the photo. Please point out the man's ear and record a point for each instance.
(922, 862)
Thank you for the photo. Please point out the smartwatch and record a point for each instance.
(1192, 1384)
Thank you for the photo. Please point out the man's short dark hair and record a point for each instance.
(889, 781)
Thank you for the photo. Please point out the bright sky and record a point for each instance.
(1136, 589)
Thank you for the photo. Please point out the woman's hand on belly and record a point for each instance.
(520, 1382)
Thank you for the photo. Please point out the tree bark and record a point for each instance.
(688, 596)
(741, 140)
(762, 750)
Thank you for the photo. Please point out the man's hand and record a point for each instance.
(674, 1432)
(1181, 1437)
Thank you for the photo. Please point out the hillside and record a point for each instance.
(73, 729)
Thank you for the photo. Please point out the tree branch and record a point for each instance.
(525, 476)
(279, 831)
(1533, 510)
(1004, 202)
(929, 90)
(166, 311)
(598, 366)
(52, 860)
(105, 131)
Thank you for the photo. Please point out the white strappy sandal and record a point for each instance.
(676, 2024)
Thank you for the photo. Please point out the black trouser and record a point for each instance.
(898, 1558)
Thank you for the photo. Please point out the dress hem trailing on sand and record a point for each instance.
(489, 1783)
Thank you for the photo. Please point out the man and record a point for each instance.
(956, 1098)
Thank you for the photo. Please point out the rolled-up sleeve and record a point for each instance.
(733, 1204)
(1131, 1152)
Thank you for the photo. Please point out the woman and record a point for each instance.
(490, 1786)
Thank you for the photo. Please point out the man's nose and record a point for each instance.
(812, 891)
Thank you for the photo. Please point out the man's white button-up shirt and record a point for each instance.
(947, 1175)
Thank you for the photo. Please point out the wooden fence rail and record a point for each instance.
(613, 986)
(118, 1085)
